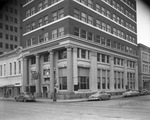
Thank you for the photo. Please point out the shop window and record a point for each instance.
(63, 78)
(83, 78)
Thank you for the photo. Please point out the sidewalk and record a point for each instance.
(59, 100)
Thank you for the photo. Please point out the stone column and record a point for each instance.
(112, 73)
(24, 82)
(136, 76)
(93, 71)
(70, 87)
(51, 73)
(125, 74)
(37, 70)
(75, 67)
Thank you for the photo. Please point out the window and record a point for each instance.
(1, 45)
(6, 18)
(11, 19)
(10, 68)
(103, 11)
(118, 20)
(14, 67)
(54, 33)
(62, 54)
(16, 12)
(60, 13)
(122, 22)
(108, 14)
(108, 79)
(32, 10)
(114, 17)
(103, 79)
(83, 34)
(76, 31)
(11, 28)
(53, 1)
(45, 4)
(76, 13)
(33, 26)
(16, 29)
(83, 53)
(45, 36)
(84, 2)
(61, 31)
(40, 38)
(98, 8)
(6, 27)
(46, 20)
(83, 78)
(109, 28)
(16, 38)
(33, 41)
(1, 35)
(108, 43)
(103, 58)
(40, 6)
(122, 9)
(1, 25)
(28, 42)
(27, 13)
(98, 23)
(103, 42)
(99, 79)
(1, 68)
(83, 17)
(54, 14)
(11, 37)
(46, 57)
(33, 60)
(90, 3)
(7, 36)
(63, 78)
(90, 35)
(90, 20)
(114, 4)
(40, 22)
(28, 28)
(98, 39)
(19, 62)
(103, 26)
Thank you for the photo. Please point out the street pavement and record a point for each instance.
(60, 100)
(118, 108)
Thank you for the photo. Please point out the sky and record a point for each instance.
(143, 22)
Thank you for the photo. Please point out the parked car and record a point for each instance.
(131, 93)
(100, 95)
(25, 96)
(144, 92)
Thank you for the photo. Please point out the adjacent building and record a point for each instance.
(11, 73)
(10, 25)
(144, 66)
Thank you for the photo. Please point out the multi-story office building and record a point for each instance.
(9, 25)
(144, 66)
(80, 46)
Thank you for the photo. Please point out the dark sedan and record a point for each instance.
(25, 96)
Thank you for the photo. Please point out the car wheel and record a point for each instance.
(100, 99)
(24, 100)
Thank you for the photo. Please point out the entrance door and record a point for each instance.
(45, 92)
